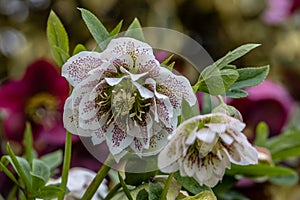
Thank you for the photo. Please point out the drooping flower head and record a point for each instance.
(124, 97)
(39, 99)
(204, 146)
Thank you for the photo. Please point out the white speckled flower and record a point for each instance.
(124, 97)
(204, 146)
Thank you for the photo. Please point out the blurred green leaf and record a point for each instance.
(232, 195)
(262, 133)
(53, 159)
(117, 29)
(288, 180)
(78, 48)
(40, 169)
(58, 39)
(234, 55)
(37, 182)
(135, 30)
(236, 93)
(96, 28)
(9, 174)
(204, 195)
(286, 153)
(1, 197)
(28, 144)
(250, 76)
(286, 140)
(259, 170)
(20, 165)
(155, 191)
(48, 192)
(189, 183)
(142, 195)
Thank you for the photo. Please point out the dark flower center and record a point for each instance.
(42, 109)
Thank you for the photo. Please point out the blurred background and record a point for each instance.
(218, 25)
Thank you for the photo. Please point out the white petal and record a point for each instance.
(144, 92)
(77, 67)
(189, 163)
(117, 139)
(87, 109)
(148, 63)
(206, 135)
(114, 81)
(218, 128)
(226, 138)
(191, 137)
(134, 77)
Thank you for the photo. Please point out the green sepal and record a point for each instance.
(58, 39)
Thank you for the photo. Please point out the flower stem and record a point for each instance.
(220, 99)
(66, 164)
(164, 193)
(89, 193)
(125, 188)
(113, 191)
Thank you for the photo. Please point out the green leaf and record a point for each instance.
(28, 144)
(236, 93)
(259, 170)
(53, 159)
(188, 111)
(1, 197)
(117, 29)
(96, 28)
(135, 30)
(204, 195)
(262, 133)
(189, 183)
(288, 180)
(167, 60)
(155, 191)
(20, 165)
(250, 76)
(234, 55)
(78, 48)
(58, 39)
(37, 182)
(48, 192)
(143, 195)
(40, 169)
(286, 154)
(9, 174)
(216, 82)
(287, 140)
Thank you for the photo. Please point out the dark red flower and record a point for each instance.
(268, 102)
(39, 99)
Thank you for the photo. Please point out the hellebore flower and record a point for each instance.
(39, 99)
(78, 181)
(268, 102)
(124, 97)
(204, 146)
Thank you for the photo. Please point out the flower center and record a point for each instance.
(42, 109)
(122, 102)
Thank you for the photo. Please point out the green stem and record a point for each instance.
(166, 188)
(113, 191)
(220, 98)
(91, 190)
(66, 165)
(125, 188)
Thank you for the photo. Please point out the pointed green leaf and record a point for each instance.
(135, 30)
(53, 159)
(155, 191)
(250, 76)
(188, 111)
(37, 182)
(9, 174)
(287, 140)
(262, 133)
(78, 48)
(96, 28)
(236, 93)
(57, 38)
(259, 170)
(234, 55)
(48, 192)
(27, 142)
(143, 195)
(40, 169)
(189, 184)
(117, 29)
(20, 165)
(167, 60)
(288, 180)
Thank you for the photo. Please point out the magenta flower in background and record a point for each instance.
(267, 102)
(39, 99)
(279, 10)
